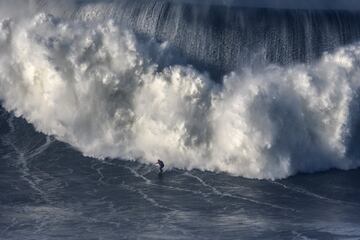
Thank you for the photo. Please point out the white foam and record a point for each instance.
(94, 86)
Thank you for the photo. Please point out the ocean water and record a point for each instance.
(253, 109)
(51, 191)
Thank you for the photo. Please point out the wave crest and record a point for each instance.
(97, 87)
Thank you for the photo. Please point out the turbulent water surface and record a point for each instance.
(253, 107)
(50, 191)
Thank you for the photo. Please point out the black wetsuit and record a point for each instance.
(161, 165)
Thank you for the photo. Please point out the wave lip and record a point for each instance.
(220, 36)
(282, 4)
(96, 87)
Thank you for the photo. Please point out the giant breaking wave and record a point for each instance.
(97, 87)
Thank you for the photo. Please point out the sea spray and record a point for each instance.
(95, 86)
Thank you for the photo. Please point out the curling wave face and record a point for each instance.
(98, 88)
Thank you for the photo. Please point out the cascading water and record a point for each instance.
(222, 38)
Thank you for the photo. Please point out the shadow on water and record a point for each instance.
(160, 176)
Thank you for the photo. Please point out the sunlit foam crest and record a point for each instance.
(95, 86)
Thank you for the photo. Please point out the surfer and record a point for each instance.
(161, 165)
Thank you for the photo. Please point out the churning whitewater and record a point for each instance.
(98, 87)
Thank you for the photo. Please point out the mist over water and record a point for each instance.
(101, 87)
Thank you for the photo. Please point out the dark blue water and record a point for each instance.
(50, 191)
